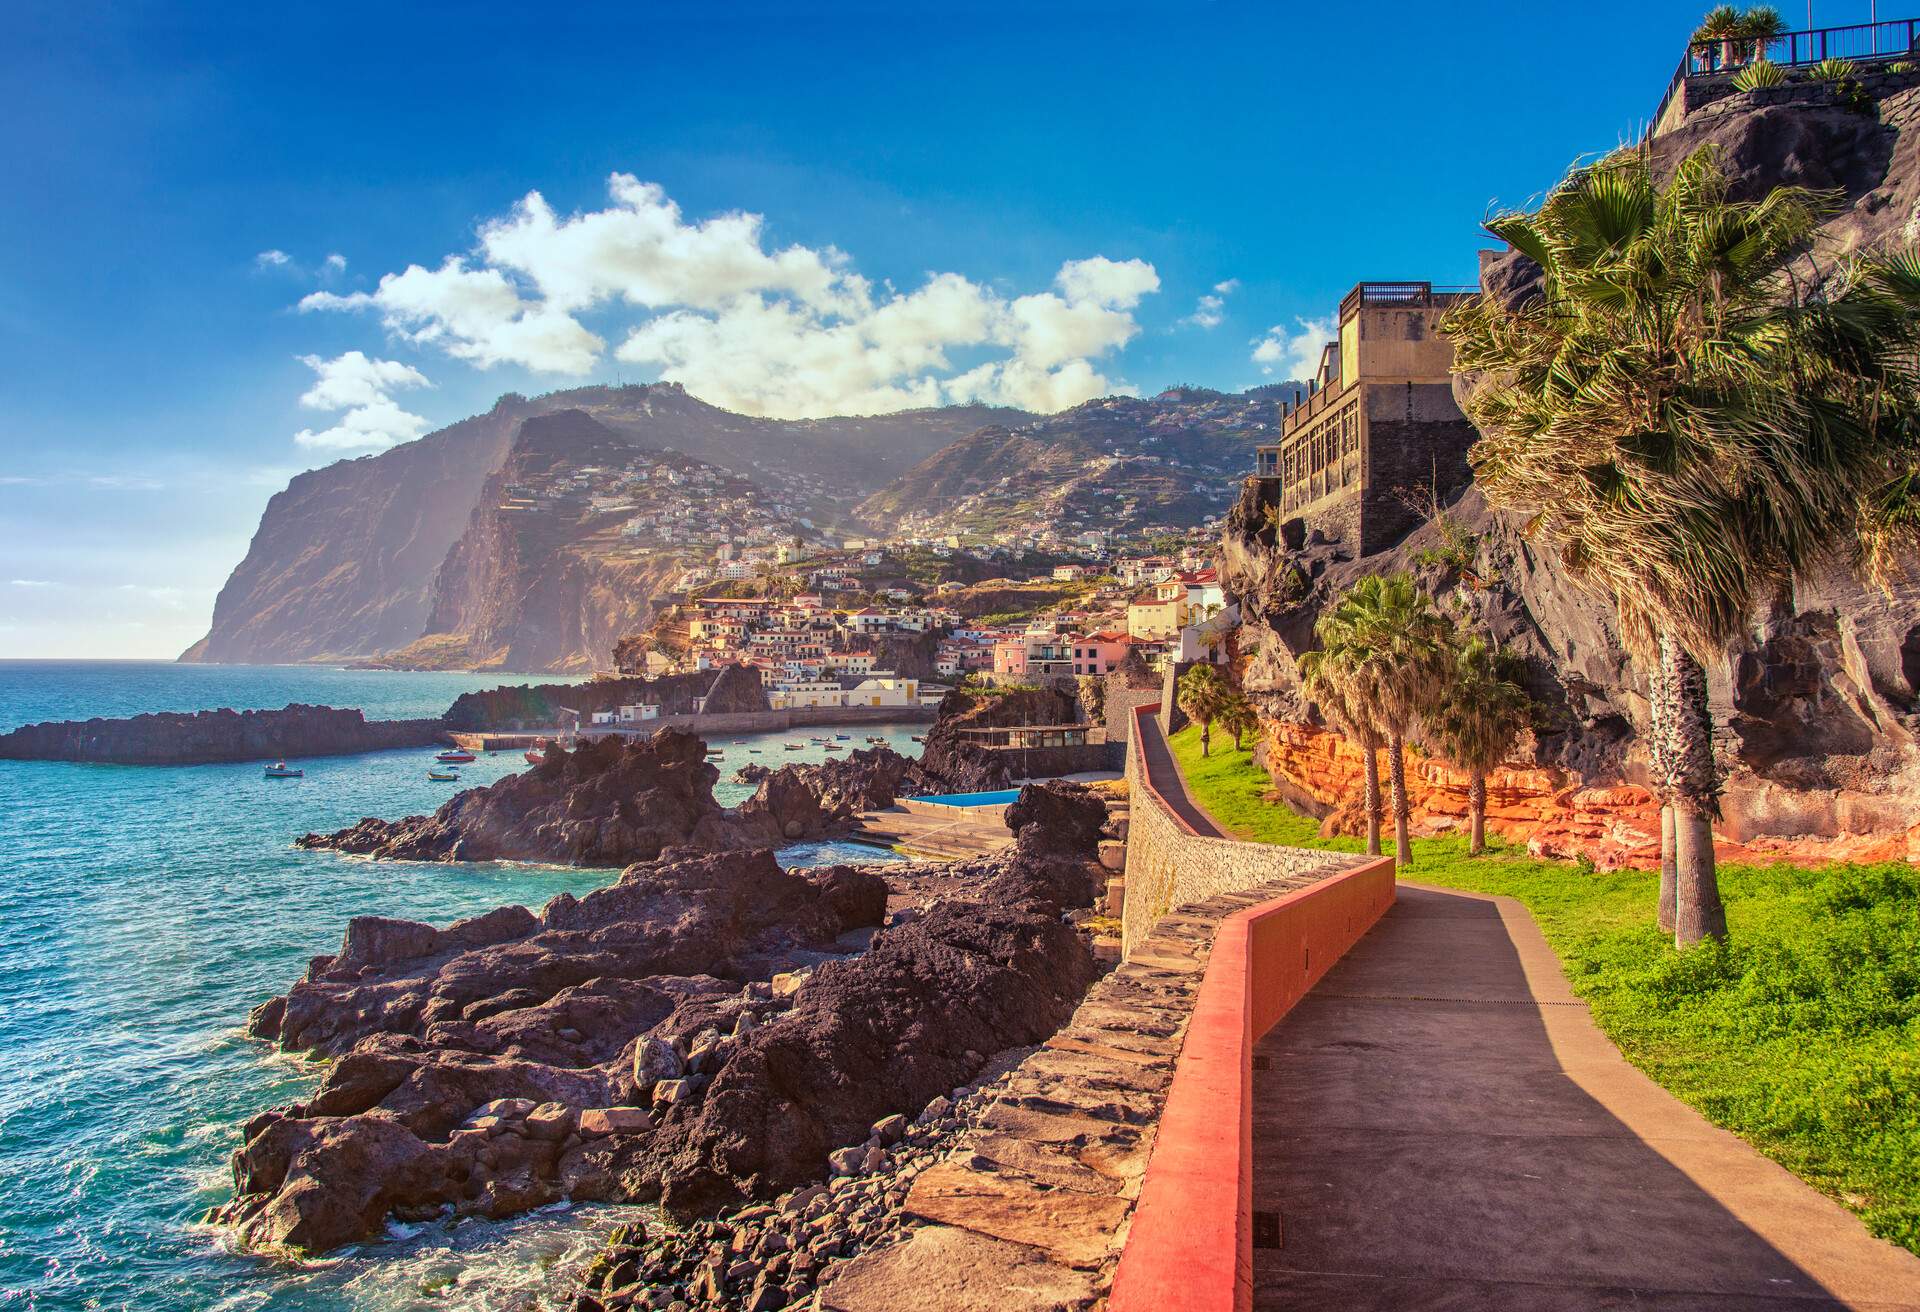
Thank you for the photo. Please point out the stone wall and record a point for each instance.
(1169, 866)
(1133, 684)
(1417, 441)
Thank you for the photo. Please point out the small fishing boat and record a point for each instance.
(835, 747)
(754, 750)
(278, 770)
(440, 776)
(917, 738)
(535, 756)
(795, 747)
(841, 738)
(453, 756)
(739, 742)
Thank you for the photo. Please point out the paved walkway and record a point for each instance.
(1164, 773)
(1440, 1125)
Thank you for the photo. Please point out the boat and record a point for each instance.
(875, 738)
(278, 770)
(917, 738)
(443, 776)
(841, 738)
(835, 747)
(739, 742)
(454, 756)
(795, 747)
(535, 756)
(754, 750)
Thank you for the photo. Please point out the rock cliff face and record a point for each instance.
(345, 561)
(1821, 706)
(177, 738)
(706, 1029)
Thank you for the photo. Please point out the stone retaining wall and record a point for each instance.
(1169, 865)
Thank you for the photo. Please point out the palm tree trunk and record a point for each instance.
(1372, 752)
(1660, 760)
(1206, 734)
(1397, 774)
(1669, 870)
(1697, 912)
(1477, 810)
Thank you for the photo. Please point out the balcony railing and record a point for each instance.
(1895, 39)
(1401, 293)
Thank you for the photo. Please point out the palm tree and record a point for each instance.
(1479, 721)
(1331, 678)
(1720, 24)
(1238, 716)
(1202, 693)
(1691, 417)
(1759, 26)
(1391, 648)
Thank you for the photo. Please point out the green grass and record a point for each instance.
(1801, 1033)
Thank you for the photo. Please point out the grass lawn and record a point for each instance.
(1801, 1033)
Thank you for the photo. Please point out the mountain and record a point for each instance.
(1124, 464)
(345, 562)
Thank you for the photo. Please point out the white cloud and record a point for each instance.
(1210, 311)
(334, 264)
(360, 386)
(1295, 352)
(794, 332)
(272, 259)
(31, 583)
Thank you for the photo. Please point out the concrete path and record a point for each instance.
(1440, 1125)
(1164, 773)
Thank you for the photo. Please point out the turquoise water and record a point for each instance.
(143, 912)
(999, 798)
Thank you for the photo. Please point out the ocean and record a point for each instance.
(144, 911)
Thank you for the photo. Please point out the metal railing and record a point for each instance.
(1894, 39)
(1400, 293)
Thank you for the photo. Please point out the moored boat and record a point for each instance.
(795, 747)
(443, 776)
(454, 756)
(279, 770)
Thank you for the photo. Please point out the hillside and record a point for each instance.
(1126, 465)
(344, 563)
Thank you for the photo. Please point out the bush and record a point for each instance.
(1832, 70)
(1760, 73)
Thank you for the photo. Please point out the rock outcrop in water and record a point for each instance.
(955, 763)
(706, 1029)
(616, 800)
(208, 737)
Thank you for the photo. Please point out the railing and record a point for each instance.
(1894, 39)
(1400, 293)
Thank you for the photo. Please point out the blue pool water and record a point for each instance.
(143, 912)
(999, 798)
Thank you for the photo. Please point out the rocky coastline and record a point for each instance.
(212, 737)
(617, 800)
(707, 1032)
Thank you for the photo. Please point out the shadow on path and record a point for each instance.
(1439, 1124)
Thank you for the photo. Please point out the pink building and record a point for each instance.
(1010, 656)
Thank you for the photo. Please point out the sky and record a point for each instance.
(243, 241)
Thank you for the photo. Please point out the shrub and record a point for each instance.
(1832, 70)
(1760, 73)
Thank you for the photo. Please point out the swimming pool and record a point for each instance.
(999, 798)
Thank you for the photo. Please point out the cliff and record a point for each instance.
(345, 562)
(1820, 706)
(176, 738)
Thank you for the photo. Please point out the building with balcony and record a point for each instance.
(1378, 432)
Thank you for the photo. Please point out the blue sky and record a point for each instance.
(1015, 202)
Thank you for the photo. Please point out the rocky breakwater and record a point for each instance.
(210, 737)
(840, 1195)
(617, 800)
(705, 1032)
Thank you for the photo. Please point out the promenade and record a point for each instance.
(1439, 1124)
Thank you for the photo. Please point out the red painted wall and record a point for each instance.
(1190, 1244)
